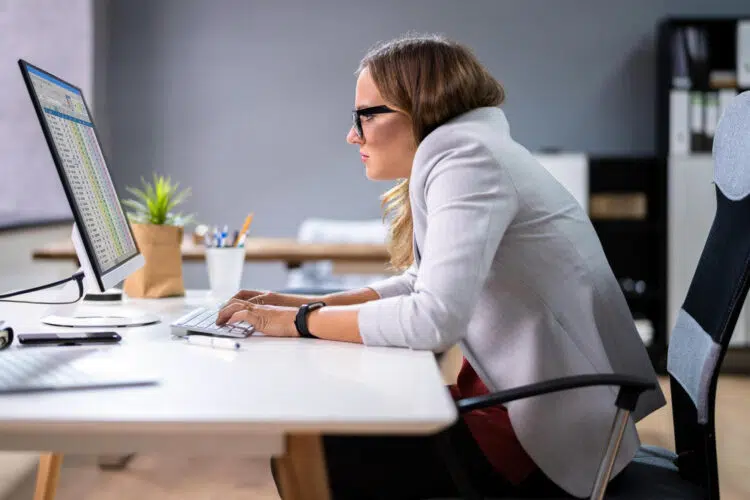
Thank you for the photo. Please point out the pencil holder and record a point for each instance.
(225, 265)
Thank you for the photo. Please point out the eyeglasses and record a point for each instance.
(357, 115)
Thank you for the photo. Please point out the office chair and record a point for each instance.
(698, 343)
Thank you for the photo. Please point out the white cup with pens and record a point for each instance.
(225, 259)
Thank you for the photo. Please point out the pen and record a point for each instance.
(245, 229)
(223, 241)
(208, 341)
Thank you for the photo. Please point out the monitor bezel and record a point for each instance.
(99, 274)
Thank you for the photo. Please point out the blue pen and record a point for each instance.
(224, 236)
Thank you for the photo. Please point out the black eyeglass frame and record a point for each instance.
(357, 115)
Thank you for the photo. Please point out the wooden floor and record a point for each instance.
(151, 477)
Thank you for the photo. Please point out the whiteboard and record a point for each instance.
(58, 37)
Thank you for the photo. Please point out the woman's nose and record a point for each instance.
(352, 137)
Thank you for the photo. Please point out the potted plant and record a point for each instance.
(158, 231)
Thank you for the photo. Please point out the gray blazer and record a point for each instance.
(508, 265)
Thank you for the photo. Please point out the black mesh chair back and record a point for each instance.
(708, 316)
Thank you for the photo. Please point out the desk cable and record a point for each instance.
(78, 277)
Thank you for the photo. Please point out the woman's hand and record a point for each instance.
(275, 321)
(330, 323)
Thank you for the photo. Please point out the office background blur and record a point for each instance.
(248, 102)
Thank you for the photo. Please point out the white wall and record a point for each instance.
(18, 270)
(248, 102)
(58, 37)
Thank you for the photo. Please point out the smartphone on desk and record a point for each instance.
(68, 338)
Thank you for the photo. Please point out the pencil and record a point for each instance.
(246, 226)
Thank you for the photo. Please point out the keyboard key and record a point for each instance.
(204, 321)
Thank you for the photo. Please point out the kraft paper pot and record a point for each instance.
(161, 276)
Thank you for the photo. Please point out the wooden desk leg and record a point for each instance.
(302, 470)
(47, 476)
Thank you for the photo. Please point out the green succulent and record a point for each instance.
(155, 202)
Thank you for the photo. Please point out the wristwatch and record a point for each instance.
(300, 321)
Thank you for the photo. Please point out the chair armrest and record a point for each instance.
(630, 389)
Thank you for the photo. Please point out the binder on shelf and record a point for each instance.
(725, 97)
(696, 47)
(710, 118)
(679, 131)
(618, 206)
(680, 70)
(708, 65)
(697, 136)
(743, 53)
(722, 79)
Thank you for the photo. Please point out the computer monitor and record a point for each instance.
(103, 239)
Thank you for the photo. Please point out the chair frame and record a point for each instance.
(695, 443)
(630, 390)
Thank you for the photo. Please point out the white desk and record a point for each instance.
(246, 402)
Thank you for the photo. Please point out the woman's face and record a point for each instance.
(387, 145)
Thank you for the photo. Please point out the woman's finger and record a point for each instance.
(229, 310)
(260, 299)
(247, 294)
(240, 316)
(256, 316)
(233, 301)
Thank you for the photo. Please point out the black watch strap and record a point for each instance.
(300, 321)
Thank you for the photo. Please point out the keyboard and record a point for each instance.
(29, 369)
(203, 320)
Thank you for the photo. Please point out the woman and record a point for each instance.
(499, 258)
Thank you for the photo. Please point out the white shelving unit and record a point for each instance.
(691, 208)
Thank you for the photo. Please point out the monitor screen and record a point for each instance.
(99, 215)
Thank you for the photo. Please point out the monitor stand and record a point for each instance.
(96, 310)
(102, 309)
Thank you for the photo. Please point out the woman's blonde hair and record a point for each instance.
(433, 79)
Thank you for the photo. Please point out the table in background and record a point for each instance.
(273, 397)
(346, 257)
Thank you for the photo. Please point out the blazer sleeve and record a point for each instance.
(403, 284)
(470, 202)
